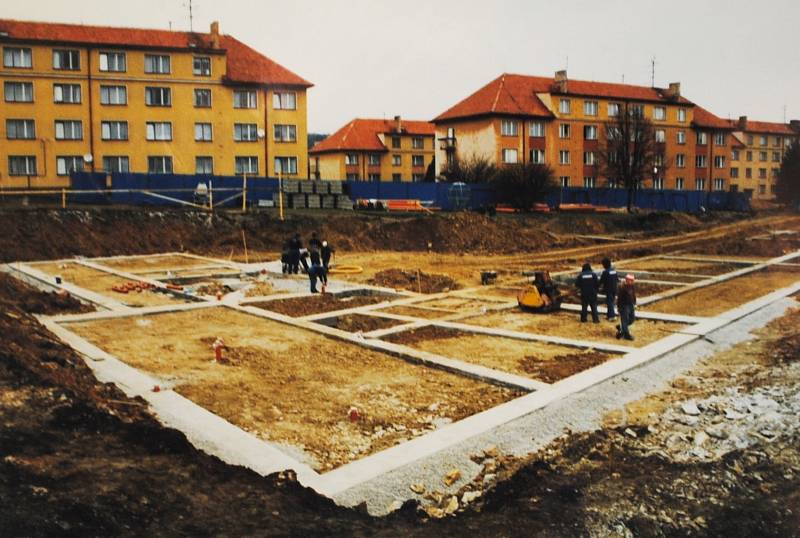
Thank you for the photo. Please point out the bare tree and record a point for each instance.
(787, 188)
(472, 169)
(629, 152)
(522, 185)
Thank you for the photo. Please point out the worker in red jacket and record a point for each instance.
(626, 303)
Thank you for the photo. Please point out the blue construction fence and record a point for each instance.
(443, 195)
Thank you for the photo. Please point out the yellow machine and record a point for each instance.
(542, 296)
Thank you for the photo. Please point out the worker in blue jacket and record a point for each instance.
(609, 282)
(588, 284)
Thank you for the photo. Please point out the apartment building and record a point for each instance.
(133, 100)
(561, 122)
(375, 150)
(756, 160)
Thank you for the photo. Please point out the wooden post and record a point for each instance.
(280, 194)
(63, 198)
(244, 194)
(210, 196)
(244, 242)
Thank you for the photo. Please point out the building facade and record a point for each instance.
(561, 122)
(128, 100)
(756, 159)
(375, 150)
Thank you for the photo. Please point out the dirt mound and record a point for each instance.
(361, 323)
(414, 281)
(420, 335)
(316, 304)
(36, 301)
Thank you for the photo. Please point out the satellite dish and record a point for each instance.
(262, 133)
(88, 158)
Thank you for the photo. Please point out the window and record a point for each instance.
(658, 183)
(563, 156)
(748, 173)
(659, 160)
(776, 156)
(156, 64)
(113, 61)
(159, 164)
(66, 165)
(116, 164)
(351, 159)
(762, 189)
(417, 142)
(762, 140)
(204, 165)
(396, 161)
(286, 165)
(417, 160)
(201, 66)
(702, 139)
(509, 156)
(700, 161)
(18, 92)
(113, 95)
(20, 129)
(613, 109)
(21, 165)
(285, 133)
(775, 172)
(245, 99)
(719, 184)
(114, 130)
(719, 139)
(352, 176)
(777, 141)
(589, 182)
(509, 128)
(679, 183)
(734, 173)
(637, 111)
(374, 159)
(681, 137)
(157, 96)
(537, 156)
(417, 177)
(564, 106)
(661, 136)
(284, 101)
(700, 184)
(159, 130)
(396, 178)
(590, 132)
(588, 158)
(564, 180)
(373, 177)
(245, 132)
(735, 155)
(203, 132)
(681, 115)
(762, 156)
(749, 140)
(680, 160)
(659, 113)
(17, 57)
(719, 161)
(69, 130)
(67, 93)
(202, 98)
(68, 60)
(749, 156)
(537, 129)
(590, 108)
(395, 141)
(762, 173)
(563, 130)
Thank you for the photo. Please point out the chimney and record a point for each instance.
(215, 35)
(794, 125)
(742, 125)
(674, 90)
(398, 124)
(560, 81)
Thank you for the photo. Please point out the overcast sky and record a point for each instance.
(416, 58)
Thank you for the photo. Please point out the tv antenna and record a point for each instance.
(188, 5)
(653, 72)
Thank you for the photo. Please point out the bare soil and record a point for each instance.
(645, 289)
(361, 323)
(156, 263)
(317, 304)
(411, 311)
(414, 281)
(292, 386)
(568, 325)
(35, 301)
(682, 266)
(541, 361)
(717, 298)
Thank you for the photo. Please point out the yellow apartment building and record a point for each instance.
(135, 100)
(375, 150)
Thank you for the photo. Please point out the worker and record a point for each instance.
(326, 251)
(608, 285)
(314, 242)
(626, 302)
(295, 244)
(587, 284)
(316, 270)
(286, 258)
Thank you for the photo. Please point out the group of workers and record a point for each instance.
(315, 259)
(622, 294)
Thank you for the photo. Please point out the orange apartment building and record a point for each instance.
(561, 122)
(138, 100)
(375, 150)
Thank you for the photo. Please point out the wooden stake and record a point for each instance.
(244, 241)
(63, 198)
(244, 194)
(419, 281)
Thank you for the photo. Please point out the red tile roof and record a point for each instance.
(735, 142)
(764, 127)
(245, 65)
(704, 118)
(362, 135)
(511, 94)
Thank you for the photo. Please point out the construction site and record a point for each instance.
(162, 374)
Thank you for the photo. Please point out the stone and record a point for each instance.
(717, 432)
(731, 414)
(452, 505)
(690, 408)
(419, 489)
(630, 433)
(451, 477)
(491, 452)
(469, 496)
(700, 438)
(395, 506)
(489, 478)
(434, 512)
